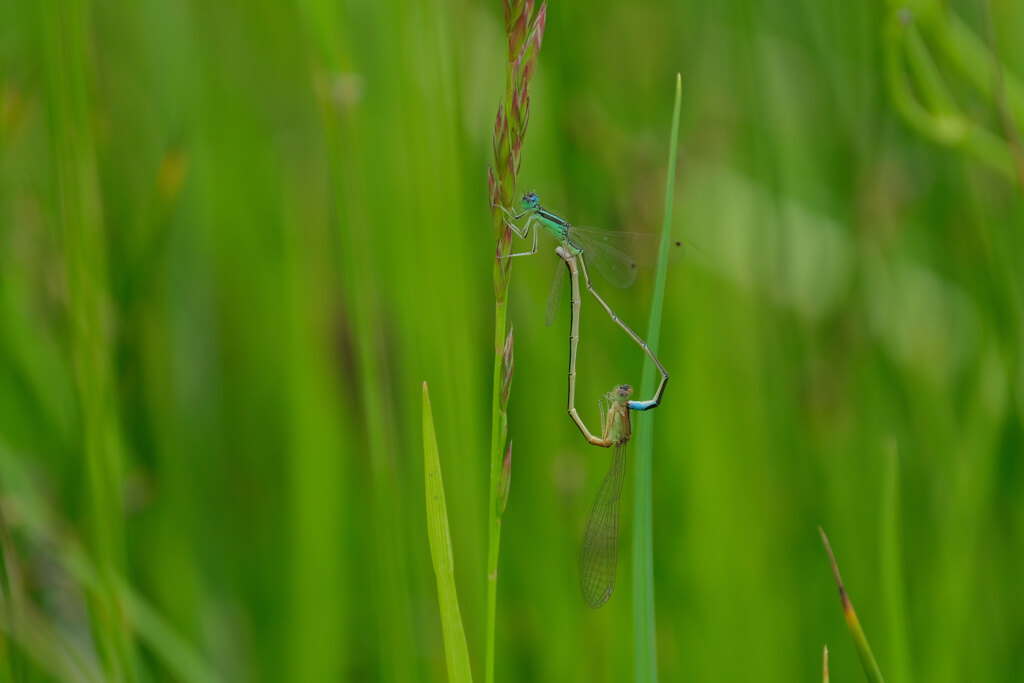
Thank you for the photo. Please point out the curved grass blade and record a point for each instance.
(599, 553)
(867, 660)
(456, 652)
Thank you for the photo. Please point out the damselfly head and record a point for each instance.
(622, 392)
(530, 200)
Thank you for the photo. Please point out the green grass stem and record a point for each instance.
(498, 429)
(524, 32)
(644, 634)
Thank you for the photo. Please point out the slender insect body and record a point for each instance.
(599, 551)
(546, 215)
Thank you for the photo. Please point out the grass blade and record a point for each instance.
(893, 594)
(455, 650)
(867, 659)
(645, 647)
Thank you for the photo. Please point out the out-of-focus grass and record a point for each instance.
(234, 241)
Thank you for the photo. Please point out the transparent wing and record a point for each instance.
(555, 297)
(616, 255)
(599, 553)
(642, 247)
(617, 267)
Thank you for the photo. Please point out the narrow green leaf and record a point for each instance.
(893, 594)
(867, 660)
(455, 651)
(645, 646)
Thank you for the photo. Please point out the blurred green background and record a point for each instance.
(235, 237)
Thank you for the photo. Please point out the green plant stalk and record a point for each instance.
(499, 426)
(644, 636)
(867, 660)
(455, 650)
(524, 33)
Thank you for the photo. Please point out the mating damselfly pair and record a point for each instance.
(616, 255)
